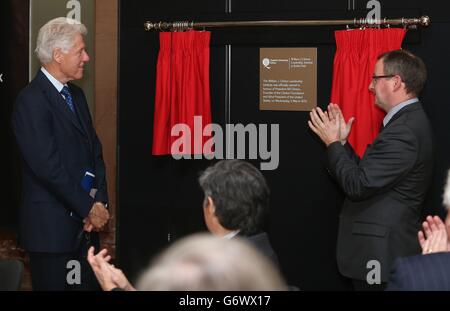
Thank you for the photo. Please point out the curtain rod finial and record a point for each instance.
(425, 21)
(148, 26)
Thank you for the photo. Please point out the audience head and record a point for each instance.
(204, 262)
(446, 202)
(236, 197)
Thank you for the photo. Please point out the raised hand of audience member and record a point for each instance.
(434, 238)
(107, 275)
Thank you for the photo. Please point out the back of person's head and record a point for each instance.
(446, 202)
(57, 33)
(408, 66)
(240, 195)
(204, 262)
(446, 195)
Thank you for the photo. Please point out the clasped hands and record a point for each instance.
(97, 218)
(330, 125)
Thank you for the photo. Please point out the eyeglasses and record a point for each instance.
(375, 78)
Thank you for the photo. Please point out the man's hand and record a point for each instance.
(98, 216)
(334, 112)
(88, 227)
(434, 237)
(107, 275)
(328, 130)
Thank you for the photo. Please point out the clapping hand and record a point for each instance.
(327, 129)
(107, 275)
(434, 237)
(335, 113)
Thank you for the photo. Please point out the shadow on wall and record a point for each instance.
(14, 70)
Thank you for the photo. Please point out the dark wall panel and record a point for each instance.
(158, 197)
(14, 69)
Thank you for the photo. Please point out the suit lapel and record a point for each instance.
(78, 101)
(411, 107)
(58, 101)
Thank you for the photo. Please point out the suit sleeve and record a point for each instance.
(385, 163)
(33, 129)
(351, 153)
(398, 279)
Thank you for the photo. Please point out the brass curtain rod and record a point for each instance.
(361, 22)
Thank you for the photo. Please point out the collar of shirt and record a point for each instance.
(58, 85)
(397, 108)
(231, 235)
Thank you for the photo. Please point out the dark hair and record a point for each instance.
(408, 66)
(240, 195)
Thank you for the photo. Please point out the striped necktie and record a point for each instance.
(68, 97)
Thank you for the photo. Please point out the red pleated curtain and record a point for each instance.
(356, 54)
(182, 88)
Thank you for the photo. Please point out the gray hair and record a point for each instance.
(408, 66)
(240, 195)
(57, 33)
(447, 192)
(205, 262)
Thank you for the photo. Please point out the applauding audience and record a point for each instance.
(200, 262)
(430, 271)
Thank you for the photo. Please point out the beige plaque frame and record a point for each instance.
(288, 79)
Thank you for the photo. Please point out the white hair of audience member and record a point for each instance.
(57, 33)
(446, 195)
(205, 262)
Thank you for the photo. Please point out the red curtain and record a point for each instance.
(182, 90)
(356, 55)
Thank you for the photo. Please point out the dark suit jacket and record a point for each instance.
(57, 147)
(262, 244)
(422, 273)
(384, 191)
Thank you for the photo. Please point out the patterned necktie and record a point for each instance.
(68, 97)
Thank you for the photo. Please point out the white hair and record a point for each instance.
(57, 33)
(447, 192)
(205, 262)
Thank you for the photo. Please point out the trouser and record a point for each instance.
(64, 271)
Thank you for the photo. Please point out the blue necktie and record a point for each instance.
(68, 97)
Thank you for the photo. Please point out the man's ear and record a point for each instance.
(210, 204)
(58, 55)
(398, 84)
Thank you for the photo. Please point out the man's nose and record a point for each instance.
(372, 86)
(85, 56)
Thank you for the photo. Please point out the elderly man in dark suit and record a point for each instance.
(386, 188)
(64, 194)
